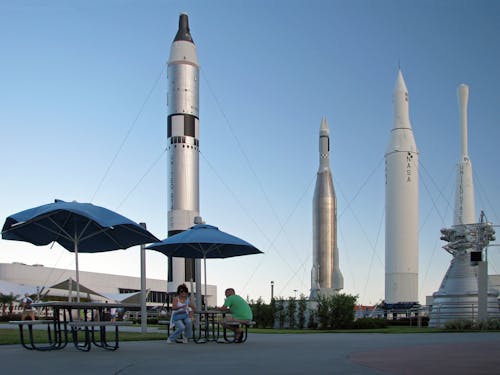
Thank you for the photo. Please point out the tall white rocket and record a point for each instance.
(401, 204)
(183, 146)
(464, 196)
(326, 278)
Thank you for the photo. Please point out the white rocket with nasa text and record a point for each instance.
(401, 205)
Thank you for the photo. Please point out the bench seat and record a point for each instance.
(31, 322)
(82, 323)
(55, 337)
(237, 324)
(89, 330)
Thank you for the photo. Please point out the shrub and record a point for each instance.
(494, 323)
(459, 324)
(280, 313)
(336, 311)
(263, 314)
(369, 323)
(291, 309)
(301, 316)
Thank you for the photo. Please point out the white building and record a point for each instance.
(32, 278)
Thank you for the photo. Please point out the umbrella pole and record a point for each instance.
(77, 273)
(205, 276)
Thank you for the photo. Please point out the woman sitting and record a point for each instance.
(182, 313)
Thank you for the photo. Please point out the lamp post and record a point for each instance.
(272, 290)
(295, 293)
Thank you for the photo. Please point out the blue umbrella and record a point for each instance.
(78, 227)
(204, 241)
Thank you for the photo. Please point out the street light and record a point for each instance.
(295, 291)
(272, 290)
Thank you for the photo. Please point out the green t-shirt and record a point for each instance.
(239, 307)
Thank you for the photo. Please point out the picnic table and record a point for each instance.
(213, 328)
(70, 318)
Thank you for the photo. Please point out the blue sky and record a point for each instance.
(83, 117)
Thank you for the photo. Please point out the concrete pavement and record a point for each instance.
(337, 353)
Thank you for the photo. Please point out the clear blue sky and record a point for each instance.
(83, 117)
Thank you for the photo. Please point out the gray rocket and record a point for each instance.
(326, 278)
(183, 146)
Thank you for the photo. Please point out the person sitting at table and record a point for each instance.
(27, 308)
(240, 312)
(182, 313)
(112, 314)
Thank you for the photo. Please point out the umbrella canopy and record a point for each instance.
(76, 227)
(204, 241)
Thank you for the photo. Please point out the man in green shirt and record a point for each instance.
(240, 312)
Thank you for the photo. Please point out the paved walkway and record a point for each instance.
(338, 353)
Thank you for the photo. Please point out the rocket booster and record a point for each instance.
(401, 204)
(183, 144)
(464, 195)
(326, 277)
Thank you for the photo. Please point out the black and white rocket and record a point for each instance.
(183, 147)
(401, 204)
(326, 278)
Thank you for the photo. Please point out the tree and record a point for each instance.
(8, 300)
(336, 311)
(291, 310)
(280, 313)
(263, 313)
(301, 315)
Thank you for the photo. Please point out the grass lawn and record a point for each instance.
(9, 336)
(392, 329)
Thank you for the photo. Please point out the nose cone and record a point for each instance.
(400, 87)
(324, 130)
(401, 105)
(183, 32)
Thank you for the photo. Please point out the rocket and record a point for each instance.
(465, 284)
(464, 195)
(326, 278)
(401, 204)
(183, 146)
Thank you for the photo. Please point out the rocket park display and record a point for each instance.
(183, 145)
(401, 205)
(464, 288)
(401, 185)
(326, 278)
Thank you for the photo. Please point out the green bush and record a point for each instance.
(280, 312)
(467, 324)
(263, 314)
(301, 315)
(291, 310)
(6, 318)
(413, 321)
(369, 323)
(459, 324)
(494, 324)
(336, 312)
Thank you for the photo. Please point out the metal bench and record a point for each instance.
(55, 337)
(89, 329)
(236, 324)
